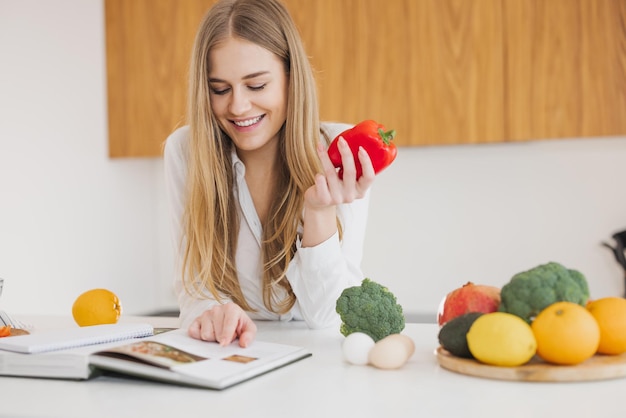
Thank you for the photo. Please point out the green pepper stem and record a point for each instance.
(386, 136)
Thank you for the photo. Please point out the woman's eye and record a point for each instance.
(257, 88)
(219, 92)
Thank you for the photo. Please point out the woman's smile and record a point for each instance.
(247, 123)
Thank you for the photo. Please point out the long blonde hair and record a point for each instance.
(211, 223)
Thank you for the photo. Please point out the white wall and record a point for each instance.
(72, 219)
(445, 216)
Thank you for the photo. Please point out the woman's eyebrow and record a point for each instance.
(246, 77)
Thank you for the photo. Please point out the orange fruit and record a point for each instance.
(566, 333)
(96, 307)
(610, 312)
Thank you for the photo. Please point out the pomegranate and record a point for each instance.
(468, 298)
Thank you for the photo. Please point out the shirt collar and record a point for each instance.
(238, 166)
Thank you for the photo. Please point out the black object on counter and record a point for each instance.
(618, 251)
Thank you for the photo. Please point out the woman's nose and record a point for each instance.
(239, 102)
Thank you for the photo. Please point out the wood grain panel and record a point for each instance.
(438, 71)
(148, 44)
(565, 68)
(430, 69)
(598, 367)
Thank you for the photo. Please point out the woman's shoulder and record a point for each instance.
(176, 142)
(180, 135)
(332, 129)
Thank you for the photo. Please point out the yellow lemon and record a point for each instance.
(96, 307)
(501, 339)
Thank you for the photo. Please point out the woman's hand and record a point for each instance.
(329, 189)
(321, 199)
(224, 323)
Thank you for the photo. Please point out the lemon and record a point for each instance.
(501, 339)
(96, 307)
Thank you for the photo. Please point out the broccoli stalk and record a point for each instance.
(529, 292)
(369, 308)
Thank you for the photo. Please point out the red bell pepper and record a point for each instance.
(373, 138)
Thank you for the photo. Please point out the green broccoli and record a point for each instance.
(369, 308)
(529, 292)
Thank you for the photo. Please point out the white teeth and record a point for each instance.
(244, 123)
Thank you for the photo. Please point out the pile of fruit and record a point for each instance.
(544, 312)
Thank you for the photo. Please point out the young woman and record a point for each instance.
(264, 227)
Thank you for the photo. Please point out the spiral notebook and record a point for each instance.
(53, 340)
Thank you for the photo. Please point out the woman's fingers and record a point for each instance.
(229, 322)
(247, 331)
(348, 166)
(330, 171)
(329, 189)
(194, 329)
(202, 328)
(367, 177)
(224, 324)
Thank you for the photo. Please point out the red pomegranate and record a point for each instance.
(468, 298)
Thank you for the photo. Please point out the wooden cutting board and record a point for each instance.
(599, 367)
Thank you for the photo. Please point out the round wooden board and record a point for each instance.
(599, 367)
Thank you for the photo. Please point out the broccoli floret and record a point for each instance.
(529, 292)
(369, 308)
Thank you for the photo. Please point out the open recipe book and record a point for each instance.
(132, 349)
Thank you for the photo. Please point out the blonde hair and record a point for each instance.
(211, 223)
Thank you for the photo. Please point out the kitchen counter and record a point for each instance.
(323, 385)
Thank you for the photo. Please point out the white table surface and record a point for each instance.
(323, 385)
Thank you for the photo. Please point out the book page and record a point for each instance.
(152, 352)
(199, 361)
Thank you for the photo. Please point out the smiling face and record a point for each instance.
(248, 93)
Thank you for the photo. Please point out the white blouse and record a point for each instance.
(317, 274)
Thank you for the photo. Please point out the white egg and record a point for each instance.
(392, 351)
(356, 348)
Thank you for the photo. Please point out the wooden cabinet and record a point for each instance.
(565, 68)
(430, 69)
(148, 47)
(440, 72)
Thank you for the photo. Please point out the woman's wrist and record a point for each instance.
(319, 225)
